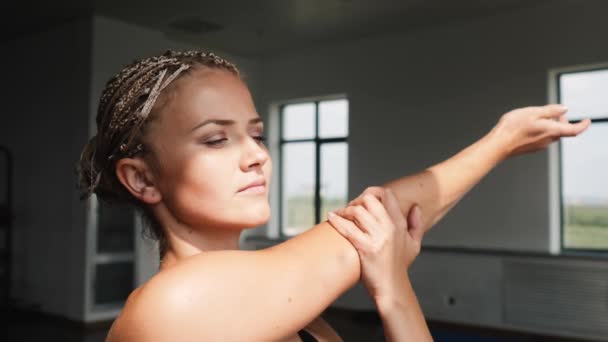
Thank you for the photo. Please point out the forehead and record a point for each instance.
(208, 94)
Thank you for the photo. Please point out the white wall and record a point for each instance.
(44, 123)
(419, 97)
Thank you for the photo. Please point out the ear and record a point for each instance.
(137, 177)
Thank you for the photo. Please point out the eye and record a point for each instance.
(216, 142)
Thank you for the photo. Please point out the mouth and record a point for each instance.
(256, 187)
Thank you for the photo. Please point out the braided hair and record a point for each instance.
(129, 101)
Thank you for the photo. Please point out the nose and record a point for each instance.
(255, 155)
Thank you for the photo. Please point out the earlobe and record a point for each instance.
(134, 175)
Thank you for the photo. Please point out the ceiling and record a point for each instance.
(259, 28)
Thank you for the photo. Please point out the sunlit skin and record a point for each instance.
(192, 183)
(208, 146)
(208, 177)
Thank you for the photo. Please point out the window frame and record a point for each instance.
(557, 214)
(319, 142)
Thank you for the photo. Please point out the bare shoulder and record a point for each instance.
(268, 294)
(189, 301)
(144, 309)
(151, 308)
(121, 329)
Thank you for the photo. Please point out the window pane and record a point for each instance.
(585, 189)
(333, 118)
(299, 121)
(334, 177)
(298, 188)
(116, 228)
(585, 94)
(113, 282)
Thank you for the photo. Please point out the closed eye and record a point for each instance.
(216, 142)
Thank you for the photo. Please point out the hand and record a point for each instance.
(414, 216)
(533, 128)
(375, 226)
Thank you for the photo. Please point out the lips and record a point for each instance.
(254, 184)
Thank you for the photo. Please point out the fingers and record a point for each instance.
(576, 128)
(393, 209)
(359, 216)
(377, 209)
(375, 191)
(552, 111)
(563, 128)
(415, 226)
(346, 228)
(382, 204)
(372, 199)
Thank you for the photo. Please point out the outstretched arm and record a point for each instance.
(438, 188)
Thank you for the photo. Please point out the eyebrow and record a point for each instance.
(224, 123)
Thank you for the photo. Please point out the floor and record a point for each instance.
(351, 325)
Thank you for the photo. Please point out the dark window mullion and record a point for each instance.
(318, 167)
(596, 120)
(283, 141)
(281, 185)
(322, 140)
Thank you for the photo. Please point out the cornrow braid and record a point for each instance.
(125, 106)
(128, 99)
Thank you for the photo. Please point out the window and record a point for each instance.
(584, 161)
(111, 254)
(313, 162)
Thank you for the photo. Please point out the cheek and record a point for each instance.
(201, 188)
(203, 191)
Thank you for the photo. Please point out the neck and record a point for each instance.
(183, 242)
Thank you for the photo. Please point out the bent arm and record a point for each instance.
(247, 295)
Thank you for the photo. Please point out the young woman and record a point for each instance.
(179, 137)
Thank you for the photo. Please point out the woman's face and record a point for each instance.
(214, 170)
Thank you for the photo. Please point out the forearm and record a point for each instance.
(438, 188)
(402, 318)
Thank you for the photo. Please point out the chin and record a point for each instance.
(258, 217)
(252, 216)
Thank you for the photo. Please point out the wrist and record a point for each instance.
(498, 142)
(393, 298)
